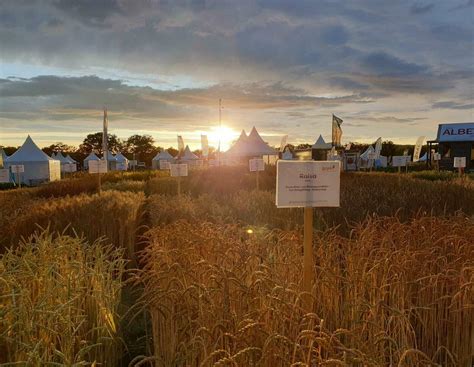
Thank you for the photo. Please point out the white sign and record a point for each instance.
(400, 160)
(177, 170)
(308, 184)
(456, 132)
(256, 164)
(164, 164)
(97, 166)
(213, 162)
(372, 155)
(4, 175)
(437, 156)
(459, 162)
(17, 168)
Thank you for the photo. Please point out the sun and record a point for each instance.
(224, 134)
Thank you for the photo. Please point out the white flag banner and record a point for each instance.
(378, 148)
(283, 143)
(180, 143)
(204, 146)
(348, 146)
(418, 146)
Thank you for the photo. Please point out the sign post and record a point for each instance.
(178, 170)
(460, 164)
(98, 167)
(308, 184)
(256, 165)
(17, 169)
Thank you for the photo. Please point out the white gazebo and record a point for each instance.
(38, 166)
(90, 157)
(122, 162)
(164, 155)
(250, 146)
(111, 161)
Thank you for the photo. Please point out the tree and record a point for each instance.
(59, 147)
(142, 147)
(93, 143)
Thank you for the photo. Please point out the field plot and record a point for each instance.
(138, 275)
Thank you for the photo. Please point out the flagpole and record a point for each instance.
(220, 132)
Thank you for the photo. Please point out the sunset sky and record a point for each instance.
(388, 68)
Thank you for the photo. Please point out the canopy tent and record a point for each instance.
(122, 162)
(161, 156)
(188, 155)
(250, 146)
(70, 160)
(111, 161)
(65, 163)
(287, 155)
(321, 144)
(38, 166)
(90, 157)
(3, 157)
(53, 155)
(423, 158)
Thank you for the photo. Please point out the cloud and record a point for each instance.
(381, 63)
(421, 8)
(453, 105)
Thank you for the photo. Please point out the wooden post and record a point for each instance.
(459, 171)
(258, 186)
(100, 182)
(179, 185)
(308, 262)
(18, 176)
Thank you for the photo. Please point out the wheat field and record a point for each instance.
(137, 275)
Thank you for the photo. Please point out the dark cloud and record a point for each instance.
(383, 64)
(89, 11)
(421, 8)
(453, 105)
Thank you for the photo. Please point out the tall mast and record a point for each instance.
(220, 131)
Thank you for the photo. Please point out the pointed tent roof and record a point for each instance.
(188, 155)
(60, 157)
(251, 145)
(287, 155)
(70, 160)
(119, 157)
(321, 144)
(110, 156)
(163, 155)
(29, 152)
(370, 149)
(91, 157)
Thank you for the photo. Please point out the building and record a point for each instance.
(453, 140)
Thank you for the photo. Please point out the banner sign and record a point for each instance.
(4, 175)
(456, 132)
(400, 160)
(459, 162)
(164, 164)
(378, 148)
(308, 184)
(98, 166)
(17, 168)
(177, 170)
(256, 164)
(418, 146)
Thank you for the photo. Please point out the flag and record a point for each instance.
(105, 138)
(378, 148)
(204, 146)
(283, 143)
(348, 146)
(336, 130)
(418, 146)
(180, 143)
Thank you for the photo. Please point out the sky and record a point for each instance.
(394, 69)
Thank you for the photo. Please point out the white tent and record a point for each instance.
(70, 160)
(111, 161)
(364, 158)
(188, 155)
(3, 157)
(122, 162)
(365, 155)
(321, 144)
(38, 166)
(250, 146)
(161, 156)
(90, 157)
(287, 155)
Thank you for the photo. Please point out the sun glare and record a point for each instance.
(224, 134)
